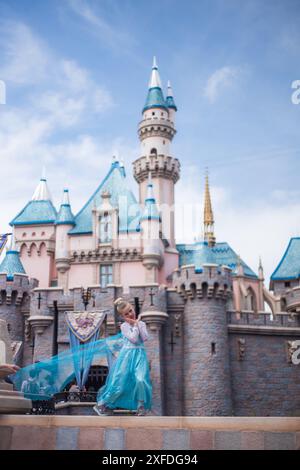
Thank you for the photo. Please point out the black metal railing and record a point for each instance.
(42, 406)
(75, 396)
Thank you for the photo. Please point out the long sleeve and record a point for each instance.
(131, 333)
(143, 330)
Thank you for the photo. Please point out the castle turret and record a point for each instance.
(149, 222)
(14, 300)
(206, 372)
(64, 222)
(172, 108)
(156, 131)
(35, 235)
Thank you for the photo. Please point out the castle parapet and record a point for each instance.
(159, 166)
(15, 289)
(210, 281)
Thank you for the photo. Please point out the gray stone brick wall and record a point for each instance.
(264, 383)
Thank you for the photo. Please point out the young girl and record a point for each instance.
(128, 384)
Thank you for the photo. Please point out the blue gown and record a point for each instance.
(128, 384)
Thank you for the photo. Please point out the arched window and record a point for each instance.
(250, 300)
(153, 151)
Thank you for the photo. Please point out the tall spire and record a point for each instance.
(65, 215)
(42, 192)
(155, 97)
(155, 80)
(170, 97)
(208, 215)
(260, 270)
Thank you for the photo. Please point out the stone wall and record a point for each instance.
(264, 381)
(150, 433)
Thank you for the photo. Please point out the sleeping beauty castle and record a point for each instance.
(214, 348)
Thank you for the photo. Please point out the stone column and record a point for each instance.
(155, 320)
(10, 401)
(154, 315)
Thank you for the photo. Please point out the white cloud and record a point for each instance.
(24, 56)
(222, 78)
(57, 94)
(110, 33)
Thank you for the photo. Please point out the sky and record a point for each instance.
(76, 74)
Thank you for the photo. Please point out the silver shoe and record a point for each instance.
(141, 411)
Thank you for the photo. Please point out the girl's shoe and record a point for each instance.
(102, 410)
(141, 411)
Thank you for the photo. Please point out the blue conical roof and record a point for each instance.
(150, 210)
(170, 99)
(155, 97)
(39, 210)
(65, 215)
(11, 265)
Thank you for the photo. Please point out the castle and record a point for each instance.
(213, 348)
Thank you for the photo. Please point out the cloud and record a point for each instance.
(24, 56)
(57, 95)
(222, 78)
(111, 34)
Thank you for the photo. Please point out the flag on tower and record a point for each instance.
(3, 240)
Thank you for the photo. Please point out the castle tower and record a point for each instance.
(34, 229)
(64, 222)
(150, 221)
(206, 369)
(14, 301)
(156, 131)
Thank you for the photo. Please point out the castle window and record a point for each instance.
(106, 274)
(213, 348)
(33, 234)
(153, 113)
(24, 234)
(105, 228)
(43, 233)
(153, 151)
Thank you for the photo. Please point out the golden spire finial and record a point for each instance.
(208, 214)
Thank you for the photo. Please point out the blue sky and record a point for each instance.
(76, 73)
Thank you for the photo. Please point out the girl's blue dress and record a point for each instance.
(128, 384)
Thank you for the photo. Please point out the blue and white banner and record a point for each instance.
(3, 240)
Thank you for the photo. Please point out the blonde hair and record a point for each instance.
(121, 303)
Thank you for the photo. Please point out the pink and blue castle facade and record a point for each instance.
(213, 347)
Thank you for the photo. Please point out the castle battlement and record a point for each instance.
(156, 127)
(16, 288)
(159, 165)
(211, 281)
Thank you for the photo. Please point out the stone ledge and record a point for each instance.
(275, 424)
(264, 330)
